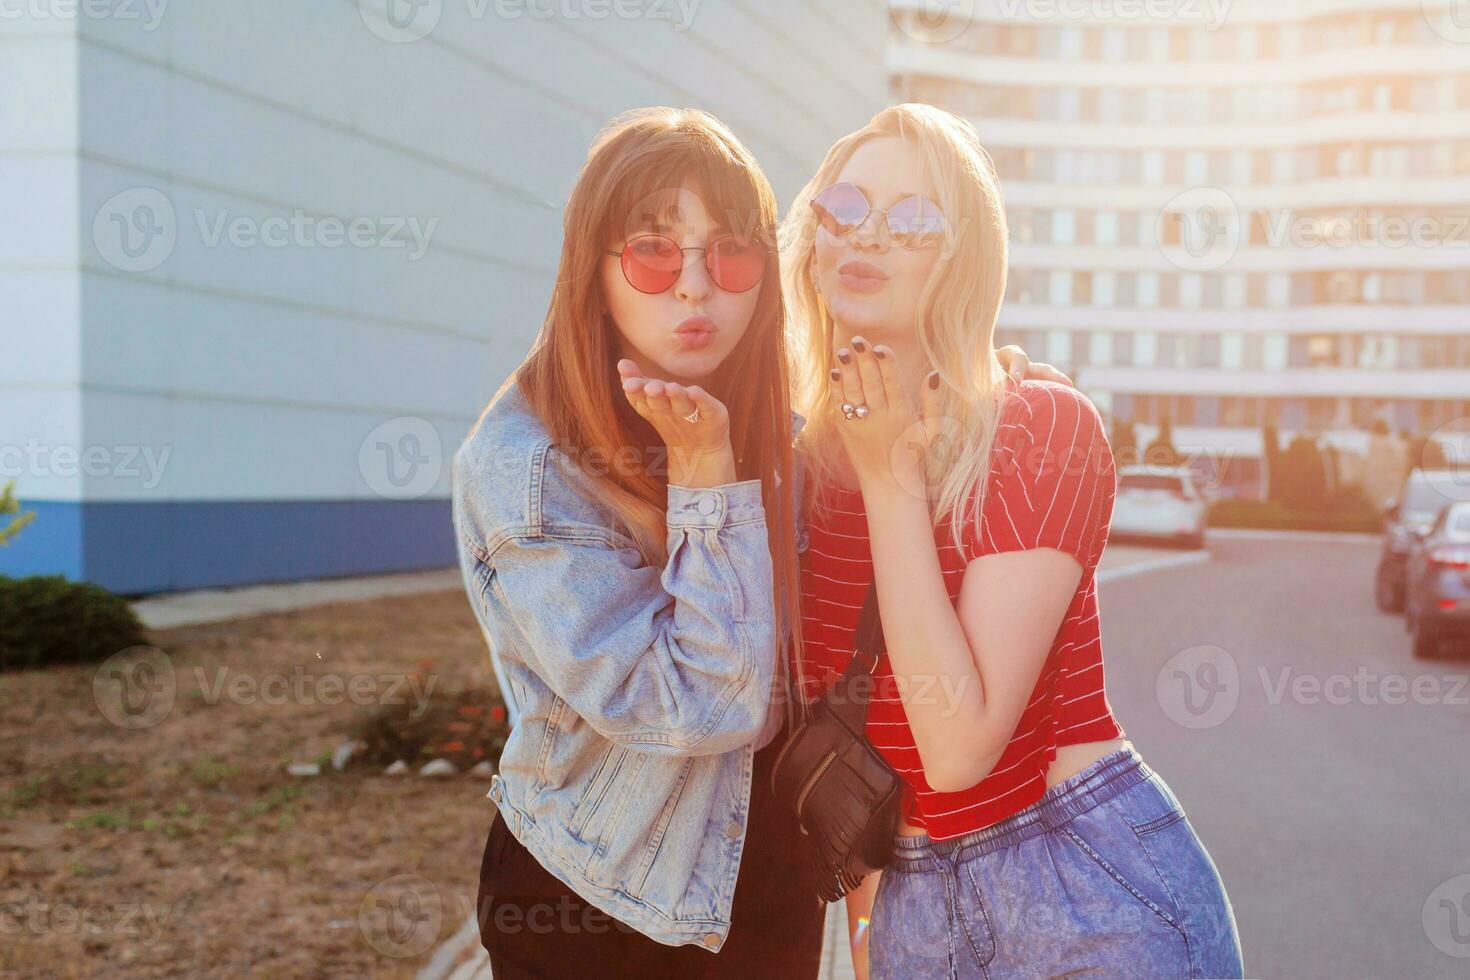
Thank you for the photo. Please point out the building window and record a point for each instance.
(1145, 348)
(1232, 351)
(1123, 349)
(1275, 352)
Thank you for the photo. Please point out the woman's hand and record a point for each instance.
(699, 451)
(1013, 361)
(888, 444)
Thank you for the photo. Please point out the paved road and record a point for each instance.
(1332, 814)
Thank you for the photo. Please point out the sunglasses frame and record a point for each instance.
(680, 271)
(896, 237)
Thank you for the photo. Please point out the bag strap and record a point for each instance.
(868, 643)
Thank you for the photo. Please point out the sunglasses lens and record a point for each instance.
(915, 222)
(840, 208)
(651, 263)
(735, 266)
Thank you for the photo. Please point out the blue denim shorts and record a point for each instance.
(1103, 875)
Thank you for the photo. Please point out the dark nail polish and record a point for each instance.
(934, 381)
(859, 346)
(879, 352)
(836, 375)
(844, 357)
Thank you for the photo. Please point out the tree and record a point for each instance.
(9, 505)
(1271, 459)
(1161, 451)
(1303, 483)
(1124, 440)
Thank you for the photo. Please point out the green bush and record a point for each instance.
(46, 619)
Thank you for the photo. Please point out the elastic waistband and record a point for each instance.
(1104, 779)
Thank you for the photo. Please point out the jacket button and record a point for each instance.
(706, 505)
(712, 939)
(732, 830)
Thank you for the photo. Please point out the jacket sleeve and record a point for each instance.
(677, 660)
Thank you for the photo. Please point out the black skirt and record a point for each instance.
(535, 926)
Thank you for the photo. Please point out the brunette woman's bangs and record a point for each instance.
(643, 191)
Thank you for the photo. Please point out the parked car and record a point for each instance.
(1159, 502)
(1438, 577)
(1425, 493)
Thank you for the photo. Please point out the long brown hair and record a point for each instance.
(570, 376)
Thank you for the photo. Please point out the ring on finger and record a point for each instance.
(851, 411)
(692, 416)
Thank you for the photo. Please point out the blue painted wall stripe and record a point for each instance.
(138, 548)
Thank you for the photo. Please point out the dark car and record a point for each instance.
(1438, 578)
(1425, 493)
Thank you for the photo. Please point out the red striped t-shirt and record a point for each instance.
(1051, 485)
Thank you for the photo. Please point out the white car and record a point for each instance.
(1159, 502)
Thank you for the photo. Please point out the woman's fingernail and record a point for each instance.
(859, 346)
(844, 356)
(934, 380)
(879, 352)
(836, 374)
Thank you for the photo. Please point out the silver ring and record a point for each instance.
(692, 416)
(851, 411)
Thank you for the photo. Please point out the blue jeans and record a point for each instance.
(1103, 875)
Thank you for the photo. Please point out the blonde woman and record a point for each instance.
(1034, 840)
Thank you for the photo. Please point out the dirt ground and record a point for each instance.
(174, 842)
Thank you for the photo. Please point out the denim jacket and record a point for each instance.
(643, 691)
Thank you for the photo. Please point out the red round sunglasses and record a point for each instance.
(652, 263)
(914, 222)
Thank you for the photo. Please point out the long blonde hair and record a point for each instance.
(570, 377)
(957, 306)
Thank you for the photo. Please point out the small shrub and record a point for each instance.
(46, 619)
(464, 728)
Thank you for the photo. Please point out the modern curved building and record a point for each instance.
(1226, 212)
(265, 263)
